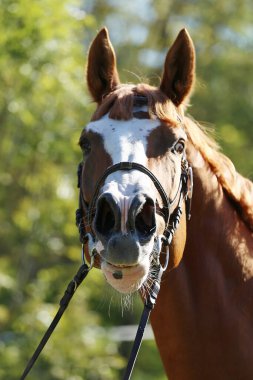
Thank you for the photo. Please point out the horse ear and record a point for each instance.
(102, 74)
(179, 69)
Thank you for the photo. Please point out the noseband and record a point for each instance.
(171, 219)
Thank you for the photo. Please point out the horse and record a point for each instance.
(135, 149)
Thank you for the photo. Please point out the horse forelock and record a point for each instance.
(119, 105)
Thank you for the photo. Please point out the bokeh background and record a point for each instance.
(44, 105)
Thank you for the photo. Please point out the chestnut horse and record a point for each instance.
(203, 320)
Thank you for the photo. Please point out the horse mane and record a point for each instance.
(119, 105)
(238, 189)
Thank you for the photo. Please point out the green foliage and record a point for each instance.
(43, 106)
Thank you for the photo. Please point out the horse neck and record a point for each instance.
(210, 292)
(216, 234)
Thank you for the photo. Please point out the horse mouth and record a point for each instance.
(125, 278)
(119, 266)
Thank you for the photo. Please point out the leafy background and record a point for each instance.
(43, 106)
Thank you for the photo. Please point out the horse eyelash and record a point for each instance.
(182, 141)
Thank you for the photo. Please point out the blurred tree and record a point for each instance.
(42, 108)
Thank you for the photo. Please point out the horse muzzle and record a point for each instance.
(126, 229)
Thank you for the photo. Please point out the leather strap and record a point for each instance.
(69, 292)
(127, 166)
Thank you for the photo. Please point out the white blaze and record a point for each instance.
(125, 141)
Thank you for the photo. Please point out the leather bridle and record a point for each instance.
(86, 211)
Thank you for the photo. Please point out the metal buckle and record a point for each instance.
(91, 249)
(189, 182)
(126, 165)
(167, 258)
(158, 249)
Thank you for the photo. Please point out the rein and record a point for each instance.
(171, 223)
(69, 292)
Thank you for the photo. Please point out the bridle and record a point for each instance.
(172, 219)
(86, 211)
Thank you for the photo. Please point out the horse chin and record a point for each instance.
(126, 279)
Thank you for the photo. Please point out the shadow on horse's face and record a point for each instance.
(128, 213)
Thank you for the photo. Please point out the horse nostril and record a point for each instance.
(145, 219)
(105, 218)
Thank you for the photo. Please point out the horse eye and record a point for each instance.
(85, 146)
(179, 147)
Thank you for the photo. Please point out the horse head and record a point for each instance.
(142, 127)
